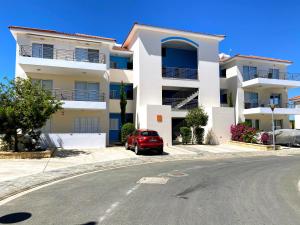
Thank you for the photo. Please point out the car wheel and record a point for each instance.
(161, 151)
(136, 149)
(126, 146)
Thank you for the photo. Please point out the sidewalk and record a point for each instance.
(11, 169)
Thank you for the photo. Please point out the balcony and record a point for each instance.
(46, 59)
(263, 108)
(265, 79)
(180, 73)
(80, 99)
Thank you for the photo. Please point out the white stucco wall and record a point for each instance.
(164, 128)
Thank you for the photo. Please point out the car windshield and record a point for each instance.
(149, 133)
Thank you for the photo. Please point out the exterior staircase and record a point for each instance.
(187, 100)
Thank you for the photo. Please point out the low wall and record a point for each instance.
(26, 155)
(74, 140)
(255, 146)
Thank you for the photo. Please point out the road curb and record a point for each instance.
(16, 186)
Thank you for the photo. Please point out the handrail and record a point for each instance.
(248, 105)
(173, 102)
(78, 95)
(271, 75)
(63, 54)
(180, 73)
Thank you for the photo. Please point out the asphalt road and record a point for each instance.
(242, 191)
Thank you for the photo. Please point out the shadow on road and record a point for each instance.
(89, 223)
(69, 153)
(14, 217)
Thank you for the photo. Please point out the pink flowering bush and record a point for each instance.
(242, 132)
(264, 138)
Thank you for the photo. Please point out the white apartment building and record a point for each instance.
(166, 72)
(254, 83)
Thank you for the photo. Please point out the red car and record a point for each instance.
(143, 140)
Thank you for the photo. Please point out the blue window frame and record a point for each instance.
(115, 91)
(118, 62)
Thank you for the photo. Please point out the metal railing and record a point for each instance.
(249, 105)
(46, 52)
(180, 73)
(271, 75)
(78, 95)
(175, 101)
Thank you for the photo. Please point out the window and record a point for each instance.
(278, 124)
(113, 65)
(115, 91)
(87, 55)
(256, 124)
(249, 72)
(163, 52)
(251, 100)
(86, 125)
(114, 124)
(42, 50)
(223, 96)
(252, 123)
(120, 62)
(149, 133)
(276, 100)
(248, 122)
(273, 74)
(223, 73)
(46, 84)
(85, 91)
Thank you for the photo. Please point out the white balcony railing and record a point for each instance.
(271, 75)
(48, 52)
(78, 95)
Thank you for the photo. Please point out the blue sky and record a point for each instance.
(257, 27)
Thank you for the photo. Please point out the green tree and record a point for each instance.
(24, 109)
(196, 118)
(123, 103)
(126, 129)
(186, 134)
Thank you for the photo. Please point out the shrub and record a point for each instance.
(186, 134)
(196, 118)
(265, 138)
(199, 134)
(126, 129)
(249, 135)
(242, 132)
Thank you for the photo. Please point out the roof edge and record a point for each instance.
(257, 58)
(217, 36)
(61, 33)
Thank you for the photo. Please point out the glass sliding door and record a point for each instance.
(249, 72)
(251, 100)
(276, 100)
(42, 50)
(81, 54)
(273, 74)
(85, 91)
(87, 55)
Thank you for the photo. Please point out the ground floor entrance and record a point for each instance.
(115, 126)
(176, 124)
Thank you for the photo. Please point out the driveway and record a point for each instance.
(241, 191)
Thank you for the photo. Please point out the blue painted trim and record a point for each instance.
(179, 38)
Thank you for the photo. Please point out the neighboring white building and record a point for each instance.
(254, 83)
(166, 72)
